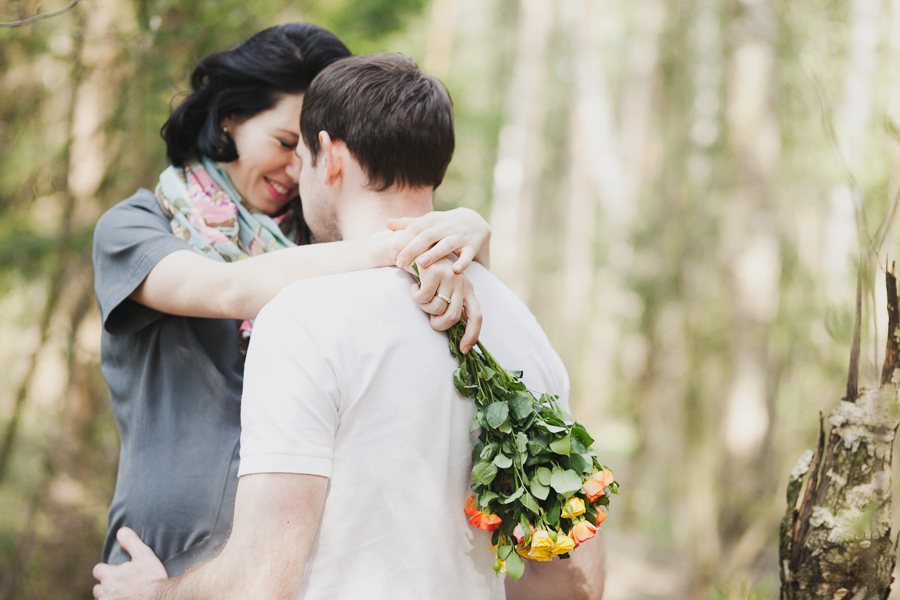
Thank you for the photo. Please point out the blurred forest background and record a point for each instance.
(682, 190)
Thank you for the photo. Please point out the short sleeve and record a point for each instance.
(129, 240)
(291, 398)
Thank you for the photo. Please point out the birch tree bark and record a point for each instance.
(520, 151)
(836, 536)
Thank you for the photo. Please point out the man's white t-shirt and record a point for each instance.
(346, 379)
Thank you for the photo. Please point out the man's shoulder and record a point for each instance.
(358, 288)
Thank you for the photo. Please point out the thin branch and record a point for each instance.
(52, 13)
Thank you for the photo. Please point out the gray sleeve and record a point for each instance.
(130, 238)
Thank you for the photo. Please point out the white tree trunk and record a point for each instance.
(520, 153)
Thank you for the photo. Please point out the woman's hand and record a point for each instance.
(130, 580)
(447, 296)
(426, 239)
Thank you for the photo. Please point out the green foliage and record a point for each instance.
(525, 450)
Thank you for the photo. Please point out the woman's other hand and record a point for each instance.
(428, 238)
(446, 296)
(130, 580)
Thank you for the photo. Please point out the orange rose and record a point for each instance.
(593, 489)
(583, 531)
(470, 509)
(605, 477)
(601, 515)
(598, 482)
(573, 508)
(485, 521)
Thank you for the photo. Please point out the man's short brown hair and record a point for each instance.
(396, 121)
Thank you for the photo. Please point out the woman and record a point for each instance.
(176, 299)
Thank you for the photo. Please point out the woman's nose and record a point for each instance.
(292, 169)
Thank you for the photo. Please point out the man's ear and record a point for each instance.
(330, 154)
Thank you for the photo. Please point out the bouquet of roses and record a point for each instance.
(538, 484)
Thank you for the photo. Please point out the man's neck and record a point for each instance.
(365, 211)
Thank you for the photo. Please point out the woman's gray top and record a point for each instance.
(175, 388)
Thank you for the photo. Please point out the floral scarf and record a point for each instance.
(206, 210)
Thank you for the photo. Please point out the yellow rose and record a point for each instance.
(541, 539)
(563, 544)
(573, 508)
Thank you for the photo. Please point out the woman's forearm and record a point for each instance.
(188, 284)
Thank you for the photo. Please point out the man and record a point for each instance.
(356, 449)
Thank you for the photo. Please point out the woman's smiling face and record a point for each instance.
(265, 145)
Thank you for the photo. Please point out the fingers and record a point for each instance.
(409, 249)
(451, 315)
(100, 571)
(473, 323)
(97, 591)
(399, 224)
(430, 281)
(131, 543)
(466, 255)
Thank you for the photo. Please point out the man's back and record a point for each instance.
(346, 379)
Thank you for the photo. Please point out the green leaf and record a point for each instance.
(579, 431)
(460, 383)
(515, 496)
(543, 475)
(521, 442)
(476, 451)
(566, 481)
(577, 445)
(540, 438)
(530, 503)
(484, 472)
(555, 428)
(562, 445)
(553, 513)
(521, 405)
(539, 490)
(515, 374)
(504, 462)
(537, 460)
(489, 451)
(504, 551)
(515, 566)
(577, 463)
(496, 414)
(505, 426)
(486, 498)
(476, 421)
(487, 373)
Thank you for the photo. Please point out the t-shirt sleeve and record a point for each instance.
(291, 398)
(129, 240)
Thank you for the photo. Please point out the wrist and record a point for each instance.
(378, 248)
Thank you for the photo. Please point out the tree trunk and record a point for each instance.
(836, 543)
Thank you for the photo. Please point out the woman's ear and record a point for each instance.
(330, 154)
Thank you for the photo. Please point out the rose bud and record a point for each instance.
(601, 515)
(573, 508)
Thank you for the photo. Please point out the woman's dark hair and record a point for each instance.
(244, 82)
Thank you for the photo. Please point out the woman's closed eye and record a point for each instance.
(286, 144)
